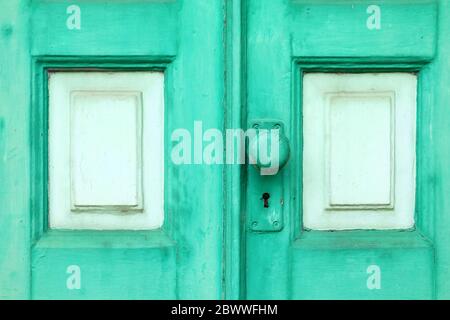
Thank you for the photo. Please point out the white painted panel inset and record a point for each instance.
(359, 151)
(106, 150)
(105, 154)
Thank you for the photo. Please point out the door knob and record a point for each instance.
(268, 148)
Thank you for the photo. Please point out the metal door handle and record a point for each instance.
(268, 148)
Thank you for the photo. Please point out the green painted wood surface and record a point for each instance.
(226, 62)
(234, 189)
(440, 152)
(190, 267)
(14, 151)
(408, 29)
(184, 259)
(107, 28)
(331, 36)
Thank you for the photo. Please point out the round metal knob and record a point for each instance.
(269, 150)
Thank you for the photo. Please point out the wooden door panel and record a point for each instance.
(340, 37)
(181, 39)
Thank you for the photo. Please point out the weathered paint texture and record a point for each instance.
(184, 259)
(331, 36)
(226, 63)
(14, 152)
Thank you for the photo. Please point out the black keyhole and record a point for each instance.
(266, 197)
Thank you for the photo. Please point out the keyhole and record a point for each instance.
(266, 197)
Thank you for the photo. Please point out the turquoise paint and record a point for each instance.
(234, 189)
(408, 29)
(106, 272)
(327, 36)
(439, 144)
(15, 161)
(337, 264)
(184, 259)
(107, 28)
(225, 75)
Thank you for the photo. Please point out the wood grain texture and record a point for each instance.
(107, 28)
(15, 157)
(408, 29)
(438, 170)
(263, 56)
(234, 117)
(185, 41)
(331, 36)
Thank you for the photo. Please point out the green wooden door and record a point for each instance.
(178, 39)
(307, 67)
(343, 45)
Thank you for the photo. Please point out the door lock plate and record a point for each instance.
(265, 192)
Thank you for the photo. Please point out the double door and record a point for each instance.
(113, 116)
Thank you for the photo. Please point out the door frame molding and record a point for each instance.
(234, 175)
(39, 122)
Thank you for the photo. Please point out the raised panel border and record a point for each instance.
(137, 95)
(39, 147)
(388, 206)
(315, 215)
(424, 228)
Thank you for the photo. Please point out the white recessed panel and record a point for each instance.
(359, 151)
(105, 150)
(106, 155)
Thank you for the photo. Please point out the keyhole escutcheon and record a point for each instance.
(265, 198)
